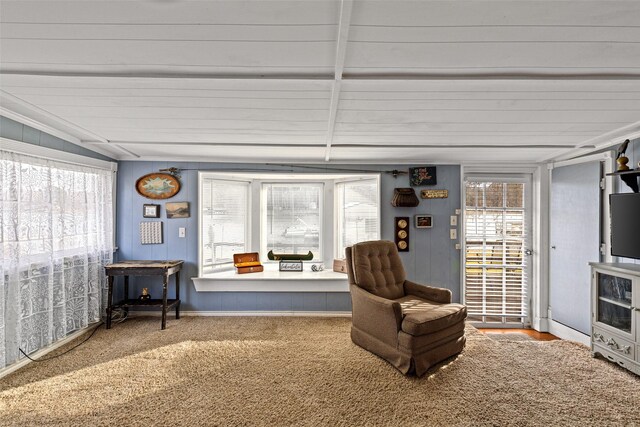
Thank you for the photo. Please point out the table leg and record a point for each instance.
(165, 280)
(126, 288)
(109, 301)
(178, 295)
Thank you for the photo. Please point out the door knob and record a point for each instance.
(553, 247)
(528, 252)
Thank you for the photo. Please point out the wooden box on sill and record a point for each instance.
(247, 263)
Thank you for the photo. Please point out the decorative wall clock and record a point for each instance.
(158, 186)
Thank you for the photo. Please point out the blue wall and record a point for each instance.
(17, 131)
(432, 259)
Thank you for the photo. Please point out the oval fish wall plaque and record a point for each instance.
(158, 186)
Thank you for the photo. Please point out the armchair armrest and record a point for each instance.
(440, 295)
(379, 317)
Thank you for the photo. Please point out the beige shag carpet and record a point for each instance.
(306, 371)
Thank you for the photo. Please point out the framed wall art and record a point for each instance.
(151, 211)
(158, 186)
(422, 176)
(424, 221)
(177, 209)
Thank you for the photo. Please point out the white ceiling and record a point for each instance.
(310, 81)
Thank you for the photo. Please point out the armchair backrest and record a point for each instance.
(377, 268)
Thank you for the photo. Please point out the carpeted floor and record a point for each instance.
(305, 371)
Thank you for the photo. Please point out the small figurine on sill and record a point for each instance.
(144, 296)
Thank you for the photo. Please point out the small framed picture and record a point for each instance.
(290, 265)
(177, 209)
(151, 211)
(424, 221)
(422, 176)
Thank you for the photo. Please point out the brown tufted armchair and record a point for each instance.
(411, 326)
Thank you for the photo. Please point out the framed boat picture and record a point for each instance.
(158, 186)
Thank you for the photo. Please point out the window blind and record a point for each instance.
(495, 262)
(358, 213)
(292, 218)
(224, 222)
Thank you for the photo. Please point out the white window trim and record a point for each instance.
(528, 180)
(205, 282)
(540, 232)
(336, 247)
(19, 147)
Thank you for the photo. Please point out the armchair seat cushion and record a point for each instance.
(419, 344)
(421, 316)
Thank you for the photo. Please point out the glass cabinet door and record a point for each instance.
(614, 301)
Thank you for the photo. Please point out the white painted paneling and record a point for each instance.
(219, 36)
(436, 154)
(494, 37)
(180, 113)
(448, 81)
(461, 58)
(446, 14)
(121, 55)
(227, 154)
(199, 31)
(173, 136)
(193, 13)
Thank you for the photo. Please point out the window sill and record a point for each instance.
(273, 281)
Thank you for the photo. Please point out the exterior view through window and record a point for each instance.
(496, 234)
(293, 218)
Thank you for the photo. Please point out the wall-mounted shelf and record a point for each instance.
(629, 177)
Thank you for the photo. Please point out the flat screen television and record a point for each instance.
(625, 225)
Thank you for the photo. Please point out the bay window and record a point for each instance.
(293, 213)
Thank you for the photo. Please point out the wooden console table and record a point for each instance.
(144, 268)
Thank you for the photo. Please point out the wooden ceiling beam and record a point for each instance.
(346, 7)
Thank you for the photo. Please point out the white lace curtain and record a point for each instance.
(56, 233)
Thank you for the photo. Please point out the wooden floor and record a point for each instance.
(539, 336)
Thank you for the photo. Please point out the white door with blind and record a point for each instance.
(497, 217)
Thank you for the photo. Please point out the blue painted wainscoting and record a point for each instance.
(432, 259)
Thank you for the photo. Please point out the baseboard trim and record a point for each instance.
(43, 351)
(566, 333)
(540, 324)
(171, 315)
(269, 313)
